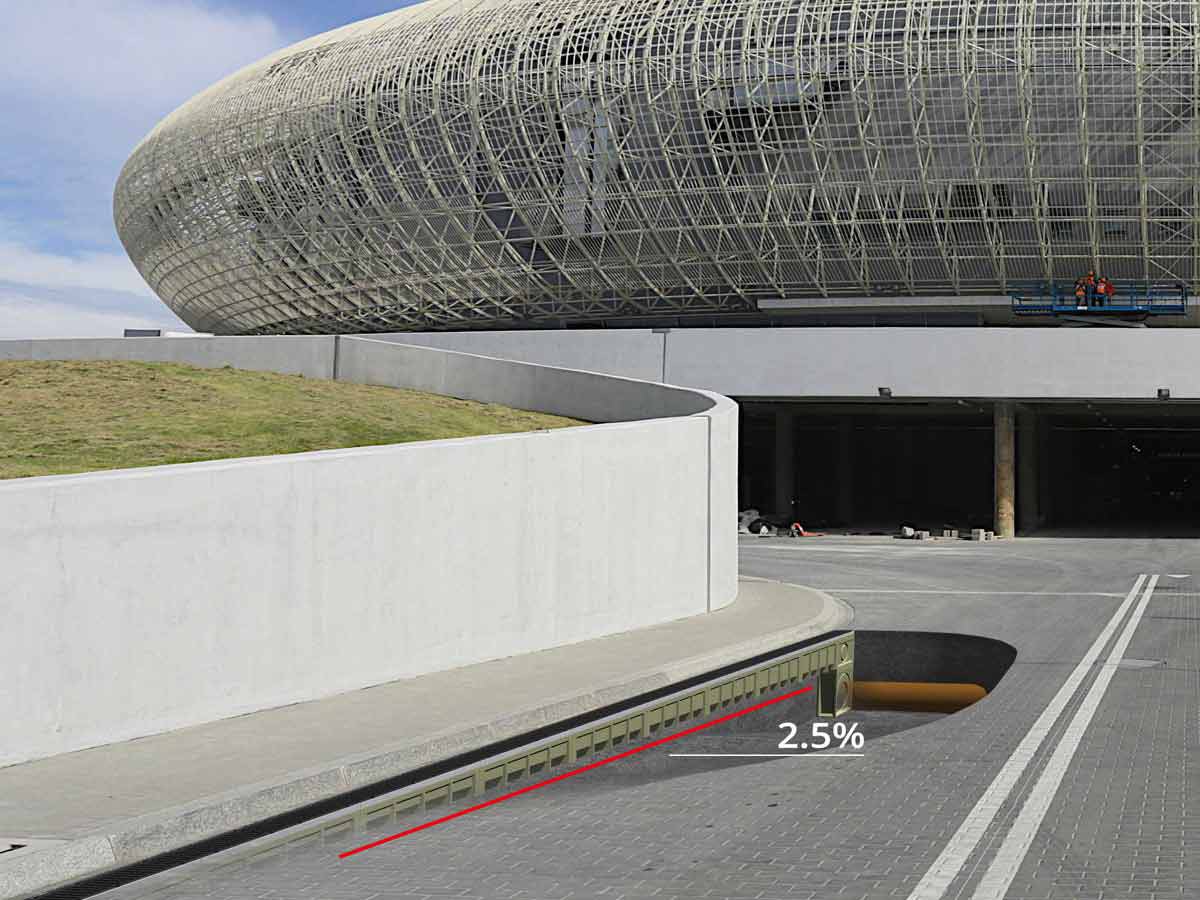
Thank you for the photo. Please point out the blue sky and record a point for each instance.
(81, 82)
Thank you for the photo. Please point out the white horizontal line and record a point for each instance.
(979, 593)
(761, 755)
(906, 547)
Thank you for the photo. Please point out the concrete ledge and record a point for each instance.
(192, 793)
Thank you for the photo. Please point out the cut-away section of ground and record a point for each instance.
(62, 417)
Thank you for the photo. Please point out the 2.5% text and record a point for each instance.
(824, 734)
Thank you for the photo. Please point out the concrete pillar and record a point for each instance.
(1005, 474)
(845, 471)
(785, 463)
(1027, 470)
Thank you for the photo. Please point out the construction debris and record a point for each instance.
(745, 518)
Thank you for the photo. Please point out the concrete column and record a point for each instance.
(1027, 470)
(845, 471)
(1005, 474)
(785, 463)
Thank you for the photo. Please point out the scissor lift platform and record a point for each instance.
(1130, 300)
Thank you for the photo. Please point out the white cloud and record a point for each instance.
(81, 82)
(89, 270)
(24, 316)
(147, 53)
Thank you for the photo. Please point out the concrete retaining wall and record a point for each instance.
(147, 599)
(632, 353)
(853, 363)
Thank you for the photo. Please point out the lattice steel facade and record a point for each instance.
(461, 164)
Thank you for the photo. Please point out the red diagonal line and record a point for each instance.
(579, 771)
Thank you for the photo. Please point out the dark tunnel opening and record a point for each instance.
(1129, 469)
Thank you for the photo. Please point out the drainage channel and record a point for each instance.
(827, 659)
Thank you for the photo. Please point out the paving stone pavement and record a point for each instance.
(659, 827)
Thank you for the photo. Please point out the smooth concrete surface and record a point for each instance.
(633, 354)
(352, 561)
(583, 395)
(156, 598)
(984, 363)
(311, 356)
(124, 802)
(916, 363)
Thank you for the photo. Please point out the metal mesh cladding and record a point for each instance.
(466, 164)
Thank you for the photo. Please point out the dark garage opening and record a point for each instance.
(1082, 467)
(1123, 468)
(873, 466)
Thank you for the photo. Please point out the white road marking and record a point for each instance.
(937, 880)
(1179, 576)
(836, 590)
(921, 547)
(765, 755)
(1007, 861)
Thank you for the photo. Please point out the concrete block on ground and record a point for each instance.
(950, 532)
(977, 534)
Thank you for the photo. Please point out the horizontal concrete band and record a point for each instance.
(853, 363)
(288, 758)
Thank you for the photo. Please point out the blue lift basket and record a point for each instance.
(1131, 298)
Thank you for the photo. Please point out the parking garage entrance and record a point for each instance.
(1122, 468)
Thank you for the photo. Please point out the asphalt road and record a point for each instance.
(1077, 777)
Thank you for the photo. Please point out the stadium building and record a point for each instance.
(752, 170)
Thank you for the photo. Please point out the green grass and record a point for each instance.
(63, 417)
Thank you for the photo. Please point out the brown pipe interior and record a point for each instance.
(916, 696)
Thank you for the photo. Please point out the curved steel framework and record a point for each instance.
(461, 164)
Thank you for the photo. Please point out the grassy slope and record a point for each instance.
(61, 417)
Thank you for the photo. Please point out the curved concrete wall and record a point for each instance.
(141, 600)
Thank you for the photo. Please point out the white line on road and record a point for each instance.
(1007, 861)
(837, 590)
(937, 880)
(765, 755)
(872, 550)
